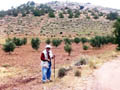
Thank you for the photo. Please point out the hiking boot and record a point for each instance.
(50, 81)
(43, 82)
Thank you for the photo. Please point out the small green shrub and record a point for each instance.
(85, 47)
(48, 41)
(96, 42)
(68, 49)
(70, 15)
(51, 14)
(61, 72)
(61, 15)
(9, 47)
(18, 42)
(77, 14)
(112, 15)
(84, 40)
(35, 43)
(77, 73)
(24, 41)
(82, 61)
(67, 41)
(77, 40)
(56, 42)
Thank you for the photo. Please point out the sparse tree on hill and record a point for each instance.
(61, 15)
(69, 11)
(38, 12)
(70, 15)
(51, 14)
(112, 16)
(77, 14)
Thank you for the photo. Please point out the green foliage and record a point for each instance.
(96, 42)
(82, 61)
(68, 49)
(35, 43)
(96, 17)
(77, 40)
(77, 14)
(61, 15)
(70, 15)
(67, 41)
(51, 14)
(2, 13)
(9, 46)
(27, 8)
(101, 14)
(15, 13)
(69, 11)
(56, 42)
(118, 48)
(84, 40)
(23, 14)
(61, 72)
(85, 47)
(108, 39)
(18, 42)
(24, 41)
(38, 12)
(112, 16)
(117, 32)
(48, 41)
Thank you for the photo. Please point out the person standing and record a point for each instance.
(46, 58)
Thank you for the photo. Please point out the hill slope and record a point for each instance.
(90, 21)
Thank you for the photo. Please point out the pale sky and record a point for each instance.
(7, 4)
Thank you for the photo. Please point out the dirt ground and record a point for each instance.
(24, 63)
(106, 77)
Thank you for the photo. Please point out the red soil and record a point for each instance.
(25, 57)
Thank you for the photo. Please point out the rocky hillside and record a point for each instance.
(57, 19)
(56, 5)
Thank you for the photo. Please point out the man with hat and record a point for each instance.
(46, 58)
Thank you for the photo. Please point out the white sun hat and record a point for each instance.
(48, 46)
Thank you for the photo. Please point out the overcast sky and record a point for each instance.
(7, 4)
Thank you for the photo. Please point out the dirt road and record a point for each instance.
(107, 77)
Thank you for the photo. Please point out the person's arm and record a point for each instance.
(51, 55)
(42, 56)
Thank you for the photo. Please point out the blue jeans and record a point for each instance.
(46, 73)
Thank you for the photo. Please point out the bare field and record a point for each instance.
(25, 63)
